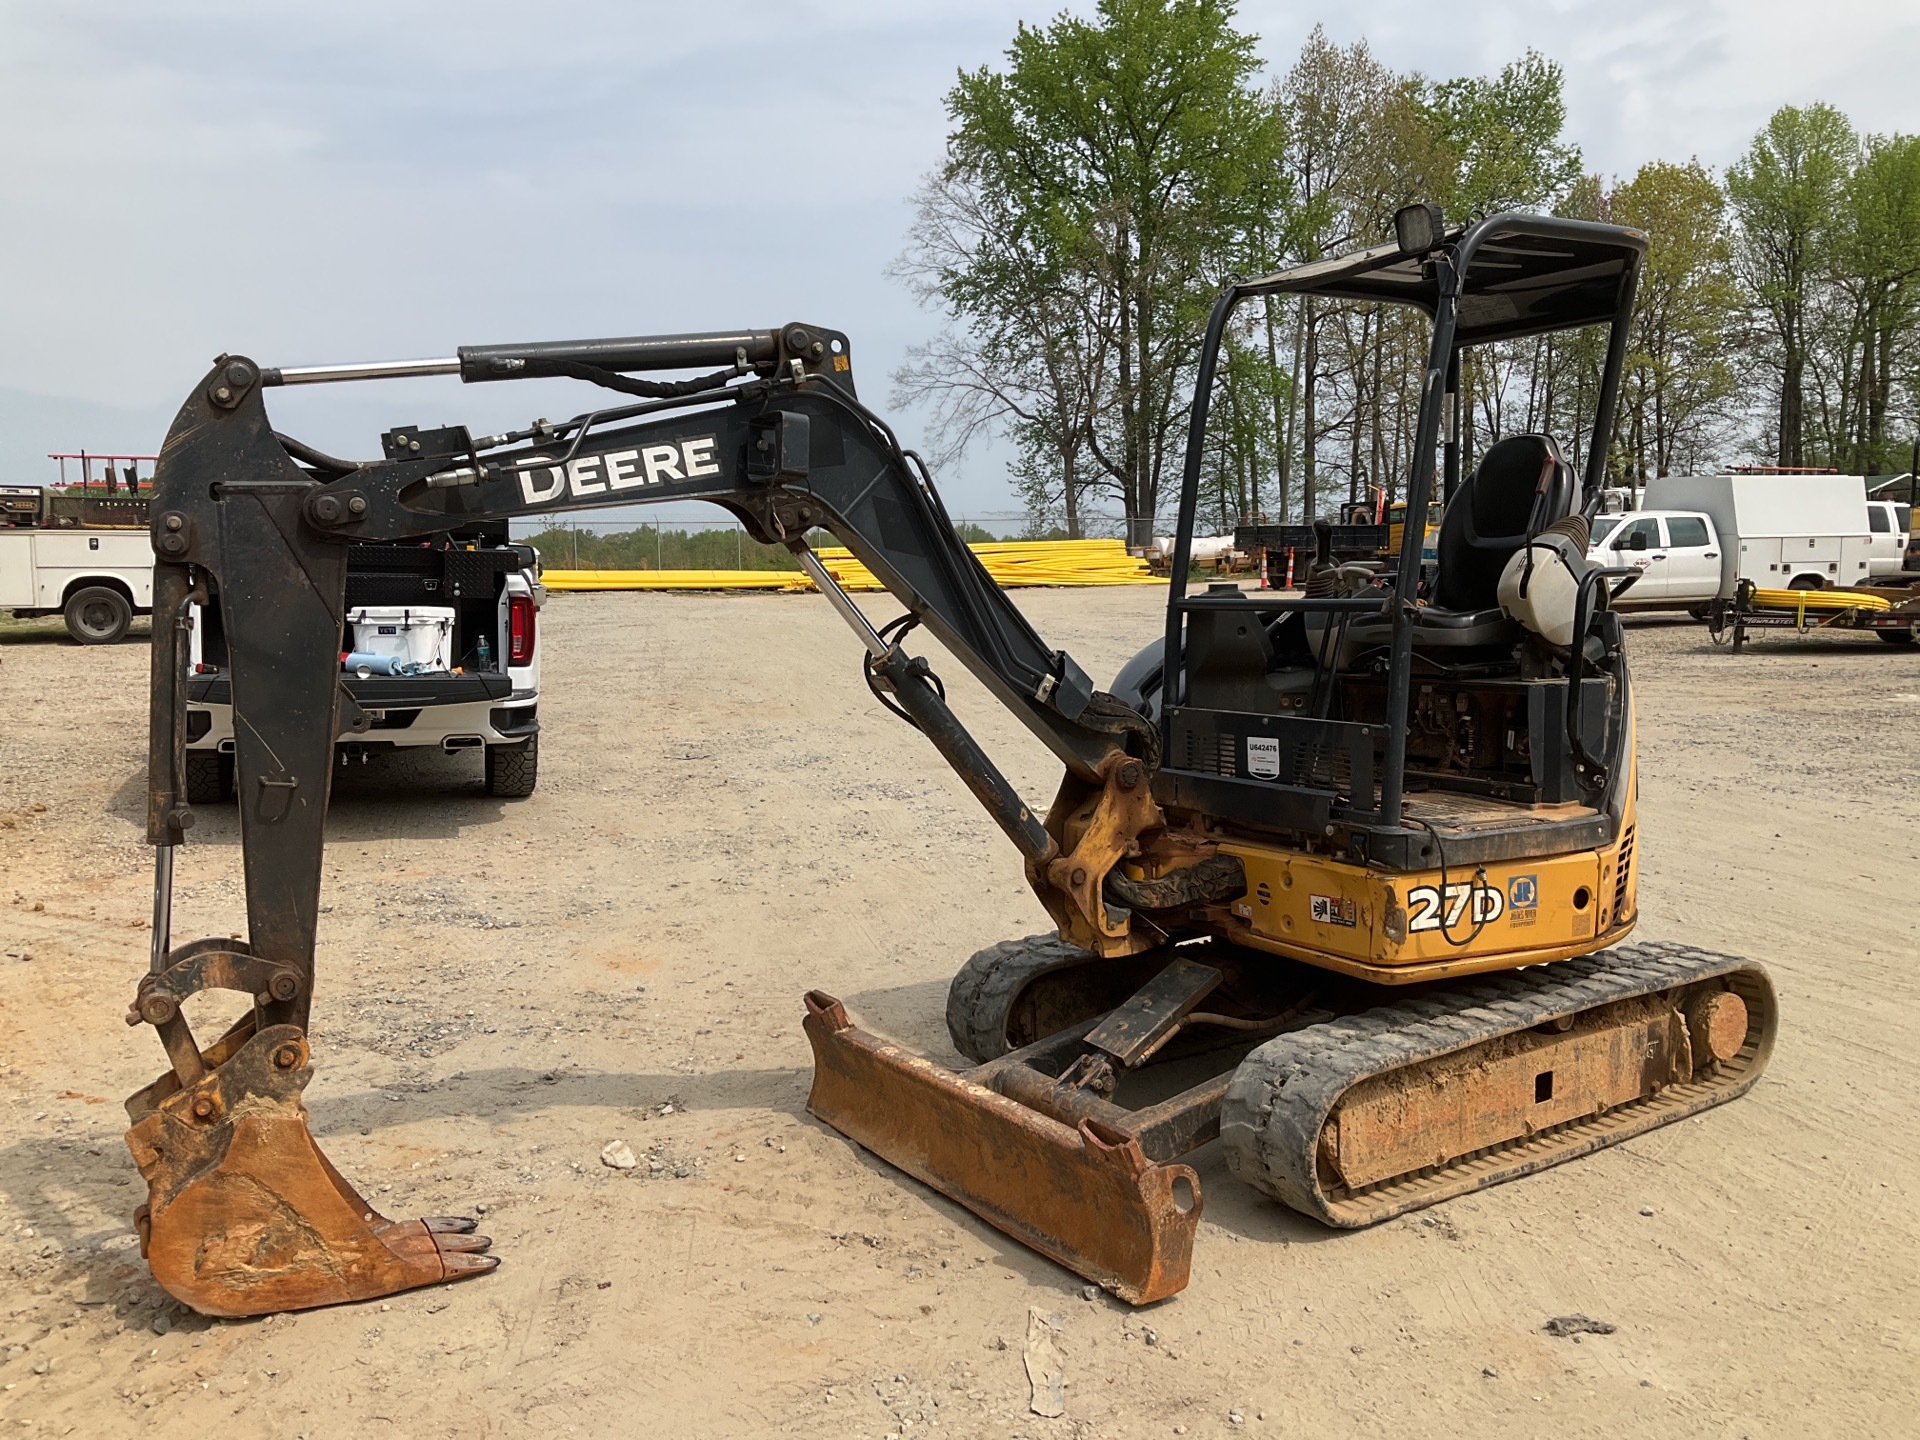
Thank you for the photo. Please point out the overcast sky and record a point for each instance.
(351, 180)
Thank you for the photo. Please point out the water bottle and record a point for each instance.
(486, 654)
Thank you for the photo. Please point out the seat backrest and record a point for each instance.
(1520, 487)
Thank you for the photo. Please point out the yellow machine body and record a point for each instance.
(1398, 928)
(1402, 927)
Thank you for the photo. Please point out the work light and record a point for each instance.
(1417, 228)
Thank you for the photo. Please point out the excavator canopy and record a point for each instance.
(1521, 275)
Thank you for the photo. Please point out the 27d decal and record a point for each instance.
(1425, 907)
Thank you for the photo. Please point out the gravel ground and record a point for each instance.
(726, 819)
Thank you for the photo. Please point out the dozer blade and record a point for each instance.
(1086, 1197)
(245, 1216)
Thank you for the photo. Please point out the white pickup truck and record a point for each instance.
(1700, 535)
(480, 690)
(97, 579)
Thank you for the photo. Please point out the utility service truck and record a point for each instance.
(1699, 536)
(84, 558)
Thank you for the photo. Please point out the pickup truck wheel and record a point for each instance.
(97, 615)
(1699, 612)
(513, 770)
(209, 777)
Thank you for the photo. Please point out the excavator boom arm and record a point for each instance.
(263, 523)
(786, 449)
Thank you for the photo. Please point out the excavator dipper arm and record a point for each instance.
(776, 437)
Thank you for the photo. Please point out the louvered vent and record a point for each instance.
(1215, 754)
(1623, 876)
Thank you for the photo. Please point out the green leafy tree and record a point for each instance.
(1680, 374)
(1335, 105)
(1242, 443)
(1493, 143)
(1786, 193)
(1026, 343)
(1504, 135)
(1879, 272)
(1129, 155)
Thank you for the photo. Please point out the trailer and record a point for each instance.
(1278, 550)
(1890, 611)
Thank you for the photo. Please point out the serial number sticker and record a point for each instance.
(1427, 909)
(1263, 757)
(1334, 910)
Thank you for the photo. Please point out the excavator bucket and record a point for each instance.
(1084, 1195)
(244, 1214)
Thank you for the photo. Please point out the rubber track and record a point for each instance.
(1283, 1092)
(982, 994)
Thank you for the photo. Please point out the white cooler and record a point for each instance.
(414, 634)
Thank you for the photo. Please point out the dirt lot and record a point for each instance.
(725, 819)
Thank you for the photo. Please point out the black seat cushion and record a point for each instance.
(1520, 487)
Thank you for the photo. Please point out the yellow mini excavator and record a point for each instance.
(1351, 866)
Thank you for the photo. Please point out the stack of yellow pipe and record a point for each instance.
(674, 580)
(1009, 562)
(1023, 562)
(1805, 600)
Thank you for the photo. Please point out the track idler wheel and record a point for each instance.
(1019, 991)
(244, 1214)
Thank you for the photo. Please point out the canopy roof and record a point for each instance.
(1525, 275)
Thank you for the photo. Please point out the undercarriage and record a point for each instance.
(1346, 1101)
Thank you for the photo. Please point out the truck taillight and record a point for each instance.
(519, 629)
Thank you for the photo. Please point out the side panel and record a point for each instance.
(1856, 557)
(16, 567)
(1540, 908)
(1758, 560)
(1816, 556)
(1802, 504)
(64, 557)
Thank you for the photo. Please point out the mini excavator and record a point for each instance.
(1337, 878)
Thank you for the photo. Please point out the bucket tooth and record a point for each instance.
(1085, 1196)
(246, 1216)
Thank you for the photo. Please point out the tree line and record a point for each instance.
(1102, 184)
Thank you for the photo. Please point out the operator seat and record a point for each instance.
(1521, 486)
